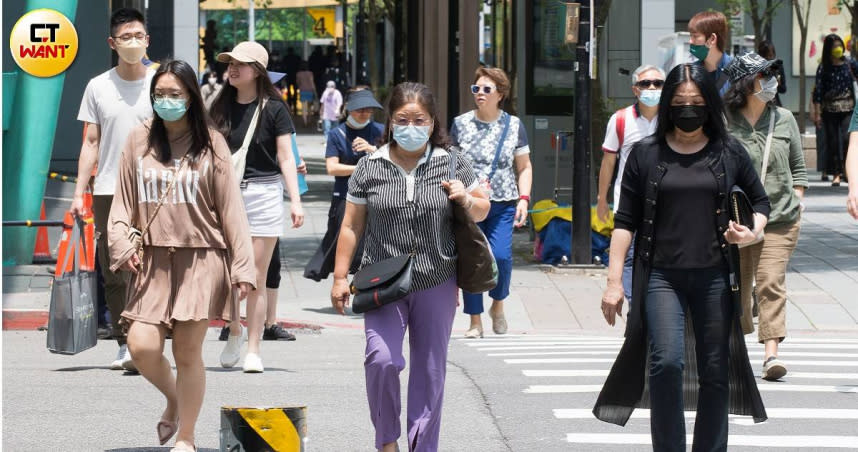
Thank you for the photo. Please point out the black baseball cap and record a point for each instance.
(747, 64)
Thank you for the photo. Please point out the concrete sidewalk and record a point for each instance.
(822, 279)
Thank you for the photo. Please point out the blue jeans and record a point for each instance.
(627, 273)
(498, 230)
(328, 124)
(704, 293)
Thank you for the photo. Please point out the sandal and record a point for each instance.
(184, 449)
(474, 332)
(166, 429)
(499, 325)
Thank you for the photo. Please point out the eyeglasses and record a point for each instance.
(643, 84)
(487, 89)
(419, 122)
(174, 96)
(127, 37)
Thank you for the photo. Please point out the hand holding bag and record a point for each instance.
(72, 324)
(476, 269)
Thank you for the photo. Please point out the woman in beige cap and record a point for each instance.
(248, 99)
(176, 183)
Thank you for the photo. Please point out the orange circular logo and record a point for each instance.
(43, 42)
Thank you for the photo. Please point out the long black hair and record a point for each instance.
(198, 121)
(827, 46)
(420, 94)
(714, 127)
(222, 106)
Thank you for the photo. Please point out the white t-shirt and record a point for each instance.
(636, 128)
(117, 106)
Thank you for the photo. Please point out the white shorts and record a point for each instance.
(263, 202)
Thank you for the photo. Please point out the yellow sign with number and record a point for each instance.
(324, 21)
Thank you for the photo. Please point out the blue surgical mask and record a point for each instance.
(411, 138)
(352, 122)
(769, 89)
(170, 109)
(650, 97)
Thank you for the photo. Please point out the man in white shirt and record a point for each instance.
(113, 104)
(625, 128)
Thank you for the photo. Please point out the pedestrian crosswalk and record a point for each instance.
(815, 407)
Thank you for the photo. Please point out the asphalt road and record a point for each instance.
(501, 396)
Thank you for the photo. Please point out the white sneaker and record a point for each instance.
(253, 364)
(232, 351)
(127, 362)
(121, 356)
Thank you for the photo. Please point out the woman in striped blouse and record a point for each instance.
(400, 198)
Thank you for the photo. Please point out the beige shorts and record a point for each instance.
(179, 284)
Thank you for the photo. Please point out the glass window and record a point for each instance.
(551, 80)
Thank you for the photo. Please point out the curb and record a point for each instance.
(20, 319)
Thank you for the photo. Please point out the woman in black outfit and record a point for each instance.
(834, 101)
(674, 197)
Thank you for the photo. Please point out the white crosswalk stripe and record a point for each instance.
(571, 370)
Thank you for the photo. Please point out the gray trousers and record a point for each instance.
(115, 284)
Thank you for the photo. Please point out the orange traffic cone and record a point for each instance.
(42, 251)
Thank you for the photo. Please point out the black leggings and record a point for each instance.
(836, 126)
(272, 280)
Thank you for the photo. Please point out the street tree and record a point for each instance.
(852, 8)
(761, 15)
(802, 15)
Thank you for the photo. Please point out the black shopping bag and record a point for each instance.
(72, 323)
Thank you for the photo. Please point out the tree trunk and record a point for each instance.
(802, 70)
(767, 28)
(371, 41)
(853, 10)
(757, 21)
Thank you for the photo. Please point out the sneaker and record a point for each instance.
(121, 356)
(773, 369)
(224, 333)
(253, 364)
(104, 332)
(128, 363)
(277, 333)
(232, 352)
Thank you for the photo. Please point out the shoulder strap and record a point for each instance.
(499, 148)
(251, 128)
(452, 164)
(621, 128)
(768, 147)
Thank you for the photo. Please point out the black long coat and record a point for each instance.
(625, 387)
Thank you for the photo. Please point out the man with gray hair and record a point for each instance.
(626, 127)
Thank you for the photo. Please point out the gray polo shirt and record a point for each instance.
(408, 207)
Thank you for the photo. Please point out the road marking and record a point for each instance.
(764, 387)
(557, 360)
(809, 354)
(594, 360)
(773, 413)
(552, 347)
(578, 352)
(768, 441)
(822, 375)
(793, 345)
(566, 373)
(479, 344)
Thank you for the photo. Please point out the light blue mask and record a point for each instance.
(354, 124)
(170, 109)
(411, 138)
(650, 97)
(769, 89)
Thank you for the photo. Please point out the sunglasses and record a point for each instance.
(647, 83)
(487, 89)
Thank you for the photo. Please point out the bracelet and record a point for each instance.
(524, 198)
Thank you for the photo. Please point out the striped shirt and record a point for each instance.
(401, 205)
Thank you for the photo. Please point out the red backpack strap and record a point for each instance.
(621, 128)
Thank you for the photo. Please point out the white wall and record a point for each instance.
(186, 34)
(657, 20)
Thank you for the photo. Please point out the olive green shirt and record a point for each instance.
(786, 159)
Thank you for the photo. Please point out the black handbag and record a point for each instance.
(741, 211)
(476, 269)
(381, 283)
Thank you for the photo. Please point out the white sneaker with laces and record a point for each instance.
(127, 362)
(120, 358)
(253, 364)
(232, 351)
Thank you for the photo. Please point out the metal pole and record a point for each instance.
(251, 21)
(581, 254)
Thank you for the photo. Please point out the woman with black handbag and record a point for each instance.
(674, 201)
(178, 225)
(834, 100)
(400, 199)
(770, 135)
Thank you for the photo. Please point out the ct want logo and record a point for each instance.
(43, 42)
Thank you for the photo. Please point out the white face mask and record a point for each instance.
(354, 124)
(768, 89)
(131, 52)
(212, 81)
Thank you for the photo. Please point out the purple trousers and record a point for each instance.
(428, 315)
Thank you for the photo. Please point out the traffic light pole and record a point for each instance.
(581, 253)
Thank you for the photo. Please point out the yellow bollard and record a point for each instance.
(280, 429)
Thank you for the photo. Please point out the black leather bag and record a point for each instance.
(381, 283)
(476, 269)
(741, 210)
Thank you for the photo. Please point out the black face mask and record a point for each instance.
(688, 117)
